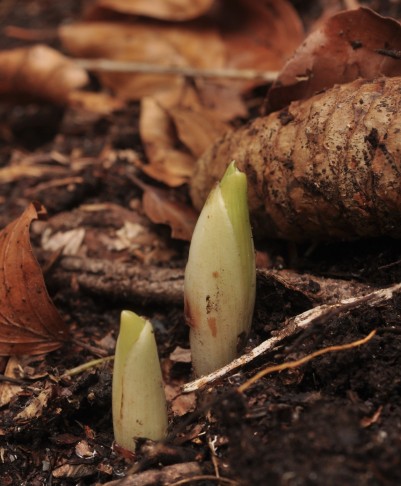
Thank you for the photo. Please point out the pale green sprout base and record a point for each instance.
(139, 403)
(220, 277)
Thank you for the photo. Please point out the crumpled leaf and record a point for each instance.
(174, 134)
(29, 321)
(159, 9)
(37, 406)
(168, 163)
(197, 129)
(39, 72)
(180, 119)
(9, 390)
(350, 45)
(162, 207)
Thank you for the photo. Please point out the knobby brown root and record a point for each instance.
(328, 167)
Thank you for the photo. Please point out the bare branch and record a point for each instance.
(110, 65)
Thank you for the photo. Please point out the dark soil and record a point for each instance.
(333, 421)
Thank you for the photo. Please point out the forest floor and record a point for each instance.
(334, 420)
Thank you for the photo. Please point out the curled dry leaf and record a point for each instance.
(168, 163)
(39, 72)
(159, 9)
(328, 167)
(197, 129)
(350, 45)
(162, 207)
(174, 137)
(179, 217)
(29, 321)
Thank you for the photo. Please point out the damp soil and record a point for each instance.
(334, 420)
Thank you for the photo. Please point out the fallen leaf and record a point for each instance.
(100, 103)
(36, 407)
(350, 45)
(84, 450)
(162, 207)
(159, 9)
(221, 100)
(179, 118)
(9, 390)
(68, 241)
(259, 35)
(74, 471)
(152, 43)
(197, 130)
(175, 132)
(39, 72)
(182, 404)
(233, 34)
(180, 355)
(29, 321)
(169, 163)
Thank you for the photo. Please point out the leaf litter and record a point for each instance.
(316, 416)
(29, 321)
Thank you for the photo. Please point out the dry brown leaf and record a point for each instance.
(29, 322)
(178, 121)
(169, 163)
(259, 35)
(180, 355)
(39, 72)
(223, 101)
(197, 130)
(180, 404)
(350, 45)
(162, 210)
(162, 207)
(174, 133)
(159, 9)
(235, 33)
(9, 390)
(101, 103)
(37, 406)
(153, 43)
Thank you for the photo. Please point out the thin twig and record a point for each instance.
(92, 349)
(15, 381)
(132, 67)
(205, 477)
(86, 366)
(305, 359)
(293, 326)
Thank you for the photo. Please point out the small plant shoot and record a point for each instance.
(220, 277)
(139, 403)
